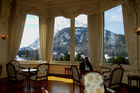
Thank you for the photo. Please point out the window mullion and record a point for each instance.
(72, 40)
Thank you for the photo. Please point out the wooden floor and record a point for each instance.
(35, 87)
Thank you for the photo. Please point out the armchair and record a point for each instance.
(115, 78)
(17, 66)
(42, 73)
(108, 73)
(13, 74)
(94, 83)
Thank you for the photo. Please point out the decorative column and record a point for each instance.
(72, 39)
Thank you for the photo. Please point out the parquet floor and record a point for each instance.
(53, 86)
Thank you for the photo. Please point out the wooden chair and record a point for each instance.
(42, 73)
(18, 68)
(13, 74)
(115, 78)
(108, 73)
(68, 72)
(76, 78)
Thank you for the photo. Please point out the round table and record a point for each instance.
(28, 74)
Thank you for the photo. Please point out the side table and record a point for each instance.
(133, 78)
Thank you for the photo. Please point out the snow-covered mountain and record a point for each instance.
(113, 43)
(61, 42)
(61, 23)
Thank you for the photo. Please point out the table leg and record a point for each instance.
(28, 85)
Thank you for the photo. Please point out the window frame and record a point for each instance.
(39, 56)
(105, 63)
(72, 45)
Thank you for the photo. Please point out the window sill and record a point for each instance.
(67, 63)
(30, 62)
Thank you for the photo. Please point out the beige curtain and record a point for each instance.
(46, 30)
(131, 18)
(107, 4)
(70, 9)
(16, 31)
(0, 7)
(95, 39)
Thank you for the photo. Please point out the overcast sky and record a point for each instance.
(113, 22)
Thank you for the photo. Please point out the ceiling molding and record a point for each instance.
(57, 3)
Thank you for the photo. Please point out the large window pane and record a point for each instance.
(29, 47)
(61, 44)
(114, 37)
(81, 37)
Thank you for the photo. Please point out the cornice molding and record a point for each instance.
(57, 3)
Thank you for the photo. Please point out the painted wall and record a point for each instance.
(3, 49)
(59, 68)
(54, 68)
(4, 16)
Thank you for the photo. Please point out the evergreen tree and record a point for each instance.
(78, 57)
(61, 58)
(66, 57)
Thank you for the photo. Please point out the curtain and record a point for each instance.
(95, 39)
(108, 4)
(70, 9)
(46, 31)
(131, 18)
(16, 31)
(0, 6)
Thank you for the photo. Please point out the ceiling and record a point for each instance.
(56, 2)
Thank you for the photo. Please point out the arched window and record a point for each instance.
(114, 36)
(81, 37)
(61, 42)
(30, 47)
(62, 39)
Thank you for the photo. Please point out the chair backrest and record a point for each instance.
(11, 71)
(113, 66)
(16, 64)
(42, 72)
(0, 69)
(116, 77)
(93, 82)
(76, 75)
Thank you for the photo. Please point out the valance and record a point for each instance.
(88, 7)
